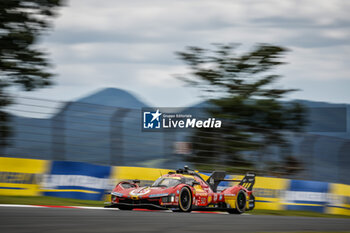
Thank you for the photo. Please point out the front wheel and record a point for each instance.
(185, 200)
(241, 203)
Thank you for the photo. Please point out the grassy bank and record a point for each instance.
(309, 232)
(296, 213)
(42, 200)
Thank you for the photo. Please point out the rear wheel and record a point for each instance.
(185, 200)
(241, 203)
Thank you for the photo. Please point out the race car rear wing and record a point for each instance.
(248, 181)
(216, 177)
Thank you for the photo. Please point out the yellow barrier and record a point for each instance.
(268, 192)
(340, 199)
(21, 177)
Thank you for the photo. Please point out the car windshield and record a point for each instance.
(166, 182)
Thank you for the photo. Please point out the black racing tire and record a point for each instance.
(241, 203)
(185, 200)
(125, 207)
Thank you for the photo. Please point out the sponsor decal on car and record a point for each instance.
(140, 192)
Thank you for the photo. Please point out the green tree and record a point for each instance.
(22, 64)
(243, 93)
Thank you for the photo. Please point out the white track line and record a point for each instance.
(97, 208)
(93, 208)
(63, 207)
(13, 205)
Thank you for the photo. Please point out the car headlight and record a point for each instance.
(168, 199)
(172, 197)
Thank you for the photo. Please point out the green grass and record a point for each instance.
(43, 200)
(296, 213)
(309, 232)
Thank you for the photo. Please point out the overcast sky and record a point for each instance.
(131, 45)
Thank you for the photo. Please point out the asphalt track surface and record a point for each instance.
(17, 219)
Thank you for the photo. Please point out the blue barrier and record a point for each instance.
(76, 180)
(307, 195)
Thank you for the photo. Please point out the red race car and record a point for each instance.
(185, 190)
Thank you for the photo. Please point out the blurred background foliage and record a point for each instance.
(243, 92)
(22, 64)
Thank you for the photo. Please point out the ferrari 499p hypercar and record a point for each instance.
(185, 190)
